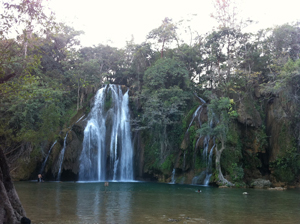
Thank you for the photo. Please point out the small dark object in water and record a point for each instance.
(40, 178)
(106, 185)
(25, 220)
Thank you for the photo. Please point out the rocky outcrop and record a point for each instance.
(70, 165)
(248, 114)
(277, 188)
(277, 127)
(73, 151)
(260, 183)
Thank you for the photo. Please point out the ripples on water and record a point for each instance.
(141, 202)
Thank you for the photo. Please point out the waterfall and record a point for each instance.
(208, 171)
(45, 161)
(202, 100)
(61, 157)
(197, 113)
(107, 152)
(207, 154)
(207, 157)
(173, 177)
(80, 119)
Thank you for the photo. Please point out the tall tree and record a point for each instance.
(220, 114)
(11, 210)
(164, 34)
(165, 95)
(14, 16)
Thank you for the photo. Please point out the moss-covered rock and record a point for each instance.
(248, 114)
(260, 183)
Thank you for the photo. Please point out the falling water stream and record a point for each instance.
(45, 161)
(207, 153)
(61, 158)
(173, 180)
(107, 148)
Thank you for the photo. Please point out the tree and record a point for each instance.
(220, 115)
(225, 43)
(164, 34)
(138, 58)
(15, 83)
(11, 210)
(284, 43)
(286, 85)
(226, 14)
(164, 96)
(192, 57)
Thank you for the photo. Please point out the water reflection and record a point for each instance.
(57, 199)
(111, 205)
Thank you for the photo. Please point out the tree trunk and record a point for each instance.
(162, 49)
(11, 210)
(221, 179)
(78, 96)
(163, 142)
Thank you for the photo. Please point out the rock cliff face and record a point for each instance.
(278, 127)
(264, 135)
(70, 165)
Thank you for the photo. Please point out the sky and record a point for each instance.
(114, 22)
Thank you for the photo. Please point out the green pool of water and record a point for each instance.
(143, 202)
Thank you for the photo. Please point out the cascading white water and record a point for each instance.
(208, 171)
(196, 113)
(107, 134)
(45, 161)
(126, 166)
(207, 154)
(61, 158)
(173, 180)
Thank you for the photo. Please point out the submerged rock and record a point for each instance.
(223, 186)
(277, 188)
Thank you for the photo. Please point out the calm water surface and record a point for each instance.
(142, 202)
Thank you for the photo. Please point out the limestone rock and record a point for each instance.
(198, 180)
(277, 188)
(277, 127)
(248, 115)
(260, 183)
